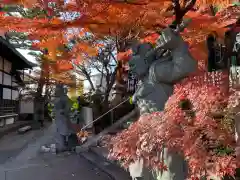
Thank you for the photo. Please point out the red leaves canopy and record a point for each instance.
(123, 19)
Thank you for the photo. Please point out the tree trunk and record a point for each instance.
(89, 80)
(39, 103)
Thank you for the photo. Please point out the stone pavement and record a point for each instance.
(70, 167)
(20, 159)
(13, 143)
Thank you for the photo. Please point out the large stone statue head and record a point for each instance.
(144, 54)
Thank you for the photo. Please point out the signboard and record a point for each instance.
(236, 46)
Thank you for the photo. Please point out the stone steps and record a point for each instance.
(97, 157)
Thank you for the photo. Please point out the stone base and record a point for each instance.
(24, 129)
(81, 149)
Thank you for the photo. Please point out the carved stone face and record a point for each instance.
(138, 64)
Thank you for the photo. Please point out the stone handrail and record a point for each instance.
(93, 140)
(98, 118)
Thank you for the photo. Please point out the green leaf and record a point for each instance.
(130, 100)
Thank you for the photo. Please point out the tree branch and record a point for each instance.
(180, 12)
(88, 77)
(111, 54)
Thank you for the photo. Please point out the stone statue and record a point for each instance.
(39, 111)
(62, 110)
(158, 72)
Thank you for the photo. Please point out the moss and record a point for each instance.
(223, 150)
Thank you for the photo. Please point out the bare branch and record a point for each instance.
(180, 12)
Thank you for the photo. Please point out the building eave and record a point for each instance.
(12, 52)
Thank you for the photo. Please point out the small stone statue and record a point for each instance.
(158, 72)
(62, 110)
(39, 111)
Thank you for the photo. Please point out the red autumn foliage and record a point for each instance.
(124, 56)
(172, 127)
(196, 138)
(151, 38)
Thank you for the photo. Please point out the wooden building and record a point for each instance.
(10, 62)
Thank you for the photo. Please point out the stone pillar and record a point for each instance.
(87, 115)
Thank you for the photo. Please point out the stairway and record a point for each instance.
(96, 156)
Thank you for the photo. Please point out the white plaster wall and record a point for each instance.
(26, 106)
(7, 80)
(6, 93)
(15, 95)
(9, 121)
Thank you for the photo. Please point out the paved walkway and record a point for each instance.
(20, 159)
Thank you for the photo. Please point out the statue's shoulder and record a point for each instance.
(141, 48)
(160, 68)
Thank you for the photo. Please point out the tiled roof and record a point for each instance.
(11, 49)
